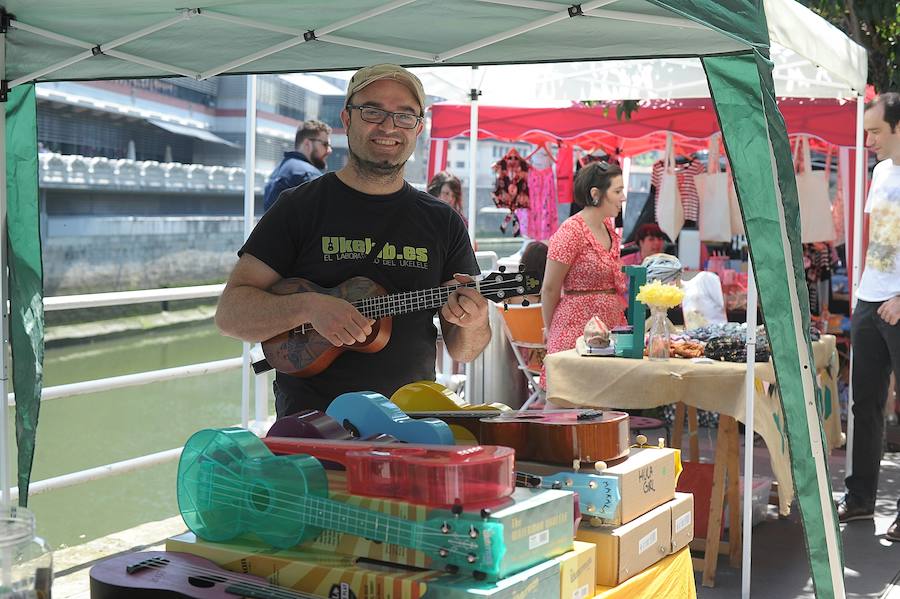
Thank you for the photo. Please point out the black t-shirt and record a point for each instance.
(322, 232)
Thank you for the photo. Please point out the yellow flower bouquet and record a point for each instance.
(660, 295)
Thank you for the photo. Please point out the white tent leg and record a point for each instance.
(749, 387)
(858, 204)
(4, 295)
(249, 202)
(473, 201)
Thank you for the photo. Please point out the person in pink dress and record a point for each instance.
(583, 276)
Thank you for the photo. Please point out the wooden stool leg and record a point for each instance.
(693, 437)
(735, 514)
(679, 425)
(717, 497)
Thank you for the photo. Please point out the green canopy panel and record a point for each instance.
(49, 40)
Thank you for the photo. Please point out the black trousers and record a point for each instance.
(876, 352)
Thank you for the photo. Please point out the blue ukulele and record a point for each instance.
(229, 483)
(598, 494)
(367, 413)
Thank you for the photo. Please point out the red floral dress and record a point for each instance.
(591, 268)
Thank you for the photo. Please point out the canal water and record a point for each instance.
(86, 431)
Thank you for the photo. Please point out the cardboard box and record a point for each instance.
(630, 548)
(330, 575)
(682, 520)
(578, 571)
(537, 525)
(646, 480)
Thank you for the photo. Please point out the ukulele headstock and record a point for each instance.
(465, 542)
(502, 285)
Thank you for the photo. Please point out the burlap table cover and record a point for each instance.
(590, 381)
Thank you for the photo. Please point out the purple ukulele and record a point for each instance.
(163, 574)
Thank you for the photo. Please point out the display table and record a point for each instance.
(578, 381)
(672, 578)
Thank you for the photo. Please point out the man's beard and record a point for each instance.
(318, 162)
(371, 167)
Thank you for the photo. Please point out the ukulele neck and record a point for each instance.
(336, 515)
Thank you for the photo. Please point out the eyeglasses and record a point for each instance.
(324, 142)
(402, 120)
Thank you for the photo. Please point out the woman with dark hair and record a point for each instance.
(448, 188)
(583, 277)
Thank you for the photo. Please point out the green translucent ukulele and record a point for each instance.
(229, 483)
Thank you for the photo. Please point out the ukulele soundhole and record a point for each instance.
(205, 582)
(260, 498)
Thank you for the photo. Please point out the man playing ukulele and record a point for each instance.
(363, 220)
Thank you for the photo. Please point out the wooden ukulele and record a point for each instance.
(230, 483)
(302, 352)
(170, 574)
(560, 436)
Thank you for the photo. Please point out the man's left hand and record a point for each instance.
(465, 307)
(889, 311)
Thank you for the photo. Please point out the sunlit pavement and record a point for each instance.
(779, 566)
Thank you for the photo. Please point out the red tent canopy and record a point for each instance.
(691, 121)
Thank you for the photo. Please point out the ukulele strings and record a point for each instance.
(217, 574)
(385, 303)
(285, 501)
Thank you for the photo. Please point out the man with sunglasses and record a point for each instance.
(312, 145)
(363, 220)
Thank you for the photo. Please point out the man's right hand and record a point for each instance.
(337, 320)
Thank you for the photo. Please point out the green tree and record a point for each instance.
(873, 24)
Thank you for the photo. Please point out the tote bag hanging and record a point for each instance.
(669, 211)
(812, 190)
(715, 209)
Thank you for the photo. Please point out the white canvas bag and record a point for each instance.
(816, 223)
(715, 209)
(669, 211)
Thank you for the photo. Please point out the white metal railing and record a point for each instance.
(70, 302)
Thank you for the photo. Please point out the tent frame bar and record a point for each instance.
(96, 49)
(605, 14)
(503, 35)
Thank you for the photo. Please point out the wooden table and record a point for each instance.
(579, 381)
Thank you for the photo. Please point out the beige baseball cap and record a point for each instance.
(367, 75)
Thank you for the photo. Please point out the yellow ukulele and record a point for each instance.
(428, 399)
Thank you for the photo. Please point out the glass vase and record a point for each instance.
(658, 334)
(26, 563)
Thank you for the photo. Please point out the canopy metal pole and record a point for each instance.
(249, 202)
(474, 92)
(749, 389)
(4, 296)
(858, 205)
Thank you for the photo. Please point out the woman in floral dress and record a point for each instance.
(583, 277)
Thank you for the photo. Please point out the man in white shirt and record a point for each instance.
(875, 331)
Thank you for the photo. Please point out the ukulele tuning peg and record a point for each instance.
(450, 568)
(521, 268)
(661, 442)
(526, 303)
(485, 513)
(457, 509)
(641, 440)
(479, 575)
(576, 465)
(599, 466)
(473, 532)
(506, 306)
(501, 268)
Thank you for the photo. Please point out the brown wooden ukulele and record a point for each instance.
(560, 436)
(303, 352)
